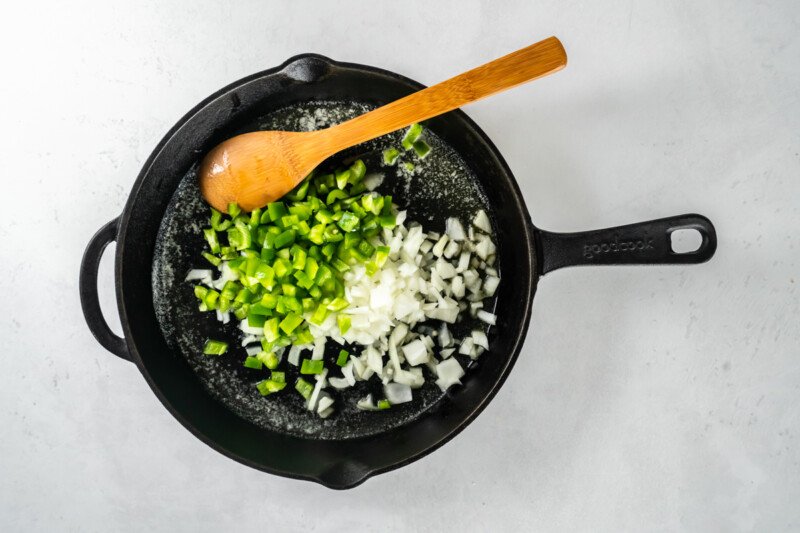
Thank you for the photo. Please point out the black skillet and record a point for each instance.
(344, 452)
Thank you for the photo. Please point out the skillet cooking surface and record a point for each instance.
(441, 186)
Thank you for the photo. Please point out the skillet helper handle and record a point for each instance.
(645, 243)
(90, 302)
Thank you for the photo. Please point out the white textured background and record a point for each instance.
(661, 399)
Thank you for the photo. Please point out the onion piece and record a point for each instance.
(438, 248)
(449, 372)
(481, 221)
(451, 249)
(457, 287)
(463, 262)
(294, 355)
(445, 269)
(321, 382)
(480, 339)
(198, 273)
(358, 368)
(325, 401)
(338, 383)
(249, 339)
(467, 346)
(485, 247)
(397, 393)
(445, 338)
(366, 403)
(373, 181)
(489, 318)
(250, 330)
(412, 377)
(454, 229)
(374, 359)
(415, 352)
(490, 285)
(319, 349)
(347, 372)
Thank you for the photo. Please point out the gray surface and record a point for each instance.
(644, 399)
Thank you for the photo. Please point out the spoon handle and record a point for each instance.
(534, 61)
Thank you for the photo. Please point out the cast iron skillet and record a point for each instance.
(525, 253)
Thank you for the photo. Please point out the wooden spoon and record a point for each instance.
(256, 168)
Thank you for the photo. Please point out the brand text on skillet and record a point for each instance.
(616, 246)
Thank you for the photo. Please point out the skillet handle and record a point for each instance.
(645, 243)
(88, 289)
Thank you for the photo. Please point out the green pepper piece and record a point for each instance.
(304, 388)
(271, 330)
(211, 239)
(349, 222)
(253, 362)
(390, 156)
(344, 322)
(213, 347)
(213, 259)
(312, 366)
(422, 149)
(234, 210)
(412, 134)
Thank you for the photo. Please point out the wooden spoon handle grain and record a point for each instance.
(534, 61)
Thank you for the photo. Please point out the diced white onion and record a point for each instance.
(319, 349)
(415, 352)
(250, 330)
(451, 249)
(481, 221)
(445, 339)
(374, 359)
(485, 247)
(294, 355)
(457, 286)
(347, 372)
(438, 248)
(397, 393)
(487, 317)
(445, 269)
(339, 383)
(249, 339)
(449, 372)
(467, 346)
(463, 262)
(325, 401)
(454, 229)
(198, 273)
(321, 382)
(480, 339)
(373, 181)
(490, 285)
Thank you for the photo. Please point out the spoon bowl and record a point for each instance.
(254, 169)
